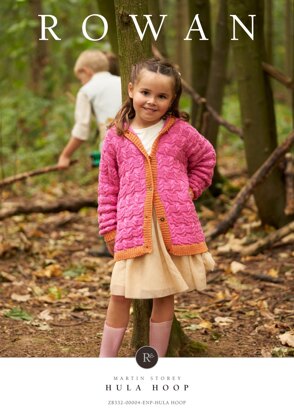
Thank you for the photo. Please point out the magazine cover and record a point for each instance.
(147, 207)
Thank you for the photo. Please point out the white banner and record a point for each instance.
(175, 386)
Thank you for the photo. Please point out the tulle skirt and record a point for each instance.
(159, 273)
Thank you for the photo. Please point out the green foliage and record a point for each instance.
(33, 130)
(284, 119)
(75, 271)
(18, 314)
(35, 126)
(282, 352)
(55, 292)
(20, 34)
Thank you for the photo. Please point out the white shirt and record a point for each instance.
(102, 95)
(149, 134)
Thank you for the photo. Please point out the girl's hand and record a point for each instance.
(110, 247)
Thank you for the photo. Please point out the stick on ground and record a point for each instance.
(247, 190)
(23, 176)
(269, 240)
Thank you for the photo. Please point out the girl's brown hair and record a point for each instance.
(127, 113)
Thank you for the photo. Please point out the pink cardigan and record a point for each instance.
(132, 183)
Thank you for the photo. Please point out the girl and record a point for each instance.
(153, 165)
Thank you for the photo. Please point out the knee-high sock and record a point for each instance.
(159, 334)
(111, 341)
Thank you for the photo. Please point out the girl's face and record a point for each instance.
(152, 96)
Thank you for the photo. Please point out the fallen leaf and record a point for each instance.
(4, 247)
(273, 273)
(83, 307)
(37, 291)
(234, 245)
(220, 295)
(236, 267)
(205, 324)
(45, 315)
(265, 353)
(20, 298)
(287, 338)
(234, 283)
(53, 270)
(84, 278)
(192, 327)
(55, 293)
(7, 277)
(223, 320)
(201, 325)
(42, 326)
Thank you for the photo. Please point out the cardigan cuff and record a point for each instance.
(109, 236)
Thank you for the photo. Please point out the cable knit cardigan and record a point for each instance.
(132, 183)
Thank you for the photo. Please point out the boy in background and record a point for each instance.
(99, 95)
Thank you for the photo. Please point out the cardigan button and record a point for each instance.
(162, 219)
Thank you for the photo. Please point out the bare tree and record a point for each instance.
(200, 54)
(216, 83)
(257, 111)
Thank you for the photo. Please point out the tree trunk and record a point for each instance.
(107, 10)
(289, 36)
(182, 52)
(269, 30)
(200, 54)
(216, 83)
(130, 48)
(155, 10)
(290, 48)
(127, 35)
(257, 111)
(40, 52)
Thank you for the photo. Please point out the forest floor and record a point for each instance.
(54, 292)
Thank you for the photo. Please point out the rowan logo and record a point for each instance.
(146, 357)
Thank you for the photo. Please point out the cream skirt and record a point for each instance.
(159, 273)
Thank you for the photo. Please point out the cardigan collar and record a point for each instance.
(131, 135)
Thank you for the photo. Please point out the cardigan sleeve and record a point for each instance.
(108, 188)
(201, 161)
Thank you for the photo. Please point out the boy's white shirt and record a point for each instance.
(102, 94)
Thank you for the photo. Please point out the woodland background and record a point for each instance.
(54, 290)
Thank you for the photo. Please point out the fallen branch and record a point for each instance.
(25, 175)
(278, 75)
(261, 277)
(82, 321)
(72, 204)
(247, 190)
(269, 240)
(201, 100)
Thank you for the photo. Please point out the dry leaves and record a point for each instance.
(287, 338)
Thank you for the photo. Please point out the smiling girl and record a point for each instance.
(153, 165)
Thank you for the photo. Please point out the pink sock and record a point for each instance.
(111, 341)
(159, 334)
